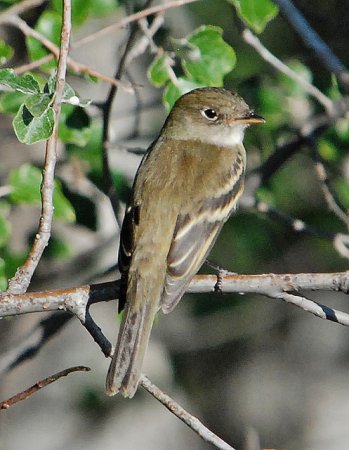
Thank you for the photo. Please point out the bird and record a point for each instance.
(187, 185)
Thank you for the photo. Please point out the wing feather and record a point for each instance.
(194, 236)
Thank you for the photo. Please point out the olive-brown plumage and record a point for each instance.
(186, 187)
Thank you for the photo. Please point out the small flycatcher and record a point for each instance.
(186, 187)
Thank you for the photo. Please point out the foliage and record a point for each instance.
(256, 14)
(207, 49)
(202, 58)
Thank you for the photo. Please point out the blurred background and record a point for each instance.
(259, 373)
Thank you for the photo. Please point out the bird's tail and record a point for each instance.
(126, 365)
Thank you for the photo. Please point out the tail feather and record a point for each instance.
(126, 365)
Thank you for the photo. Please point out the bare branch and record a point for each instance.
(332, 204)
(33, 64)
(130, 52)
(19, 8)
(77, 300)
(132, 18)
(252, 40)
(176, 409)
(309, 131)
(72, 64)
(41, 384)
(297, 225)
(20, 282)
(147, 39)
(341, 244)
(32, 342)
(313, 41)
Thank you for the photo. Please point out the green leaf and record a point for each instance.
(3, 278)
(158, 70)
(25, 183)
(49, 25)
(74, 126)
(292, 87)
(38, 104)
(215, 57)
(342, 128)
(342, 189)
(328, 150)
(185, 50)
(80, 9)
(68, 92)
(30, 129)
(23, 83)
(13, 261)
(10, 102)
(103, 7)
(4, 230)
(50, 85)
(58, 248)
(6, 52)
(256, 13)
(63, 209)
(271, 100)
(70, 97)
(91, 151)
(173, 91)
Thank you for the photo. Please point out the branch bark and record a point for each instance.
(284, 287)
(20, 282)
(191, 421)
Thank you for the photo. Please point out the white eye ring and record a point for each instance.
(210, 114)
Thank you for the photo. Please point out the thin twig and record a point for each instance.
(5, 190)
(341, 244)
(19, 9)
(41, 384)
(109, 187)
(313, 41)
(19, 23)
(297, 225)
(91, 37)
(33, 64)
(72, 64)
(176, 409)
(32, 342)
(312, 129)
(20, 282)
(108, 184)
(131, 18)
(252, 40)
(322, 176)
(147, 39)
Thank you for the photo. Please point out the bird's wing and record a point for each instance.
(194, 235)
(126, 248)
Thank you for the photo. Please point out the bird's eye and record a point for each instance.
(209, 114)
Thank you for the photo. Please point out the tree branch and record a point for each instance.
(20, 282)
(252, 40)
(39, 385)
(313, 41)
(322, 176)
(132, 18)
(176, 409)
(72, 64)
(19, 8)
(77, 300)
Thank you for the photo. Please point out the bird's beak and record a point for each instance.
(250, 119)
